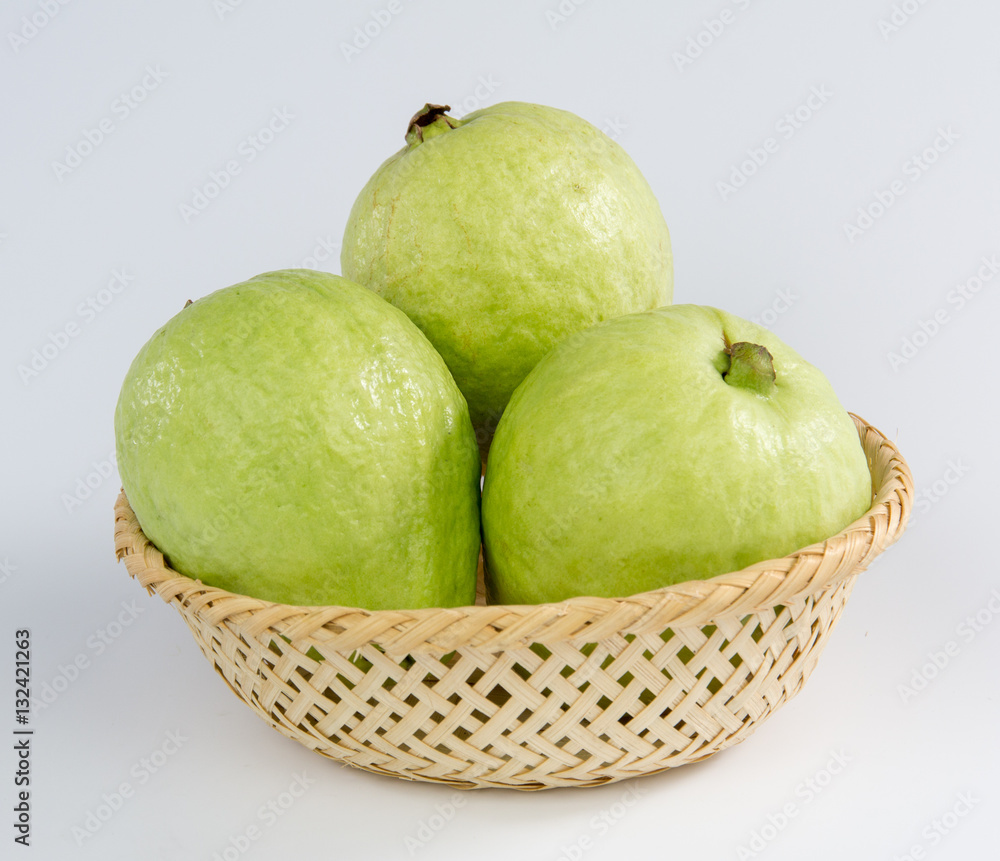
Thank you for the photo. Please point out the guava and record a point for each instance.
(297, 439)
(660, 447)
(503, 232)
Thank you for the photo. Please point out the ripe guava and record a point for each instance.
(664, 446)
(297, 439)
(503, 232)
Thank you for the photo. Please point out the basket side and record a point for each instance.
(567, 714)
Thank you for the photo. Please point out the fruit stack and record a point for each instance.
(673, 508)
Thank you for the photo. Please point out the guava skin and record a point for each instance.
(635, 456)
(503, 232)
(297, 439)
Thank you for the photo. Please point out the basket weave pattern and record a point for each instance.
(583, 692)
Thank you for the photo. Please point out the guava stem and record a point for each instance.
(751, 367)
(429, 121)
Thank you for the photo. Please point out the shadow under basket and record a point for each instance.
(579, 693)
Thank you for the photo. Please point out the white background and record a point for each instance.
(775, 249)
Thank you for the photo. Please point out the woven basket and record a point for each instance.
(579, 693)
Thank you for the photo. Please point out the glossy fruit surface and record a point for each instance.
(296, 438)
(501, 233)
(660, 447)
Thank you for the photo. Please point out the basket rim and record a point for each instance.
(496, 627)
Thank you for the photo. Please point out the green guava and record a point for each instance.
(660, 447)
(297, 439)
(503, 232)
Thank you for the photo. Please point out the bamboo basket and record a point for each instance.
(579, 693)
